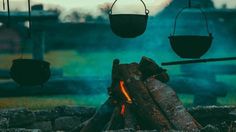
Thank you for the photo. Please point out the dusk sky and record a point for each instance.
(91, 6)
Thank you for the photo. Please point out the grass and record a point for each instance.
(93, 64)
(45, 102)
(42, 102)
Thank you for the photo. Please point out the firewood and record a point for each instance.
(116, 122)
(130, 119)
(168, 101)
(113, 90)
(149, 68)
(149, 114)
(114, 75)
(80, 126)
(100, 118)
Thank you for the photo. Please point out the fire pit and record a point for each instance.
(141, 101)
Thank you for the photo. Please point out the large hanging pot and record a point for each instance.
(30, 72)
(128, 25)
(190, 46)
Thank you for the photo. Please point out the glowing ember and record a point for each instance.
(125, 93)
(122, 112)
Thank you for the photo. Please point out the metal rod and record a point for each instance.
(8, 13)
(30, 20)
(3, 4)
(189, 3)
(197, 61)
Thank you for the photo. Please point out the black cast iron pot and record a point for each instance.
(128, 25)
(187, 46)
(30, 72)
(190, 46)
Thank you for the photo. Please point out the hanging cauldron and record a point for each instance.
(190, 46)
(128, 25)
(30, 72)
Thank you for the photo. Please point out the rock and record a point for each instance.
(66, 123)
(210, 128)
(45, 115)
(213, 114)
(20, 130)
(232, 127)
(4, 122)
(45, 126)
(19, 117)
(83, 112)
(131, 130)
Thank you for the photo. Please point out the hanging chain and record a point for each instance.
(3, 4)
(30, 20)
(189, 3)
(8, 13)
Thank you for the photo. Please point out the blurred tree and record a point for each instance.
(104, 9)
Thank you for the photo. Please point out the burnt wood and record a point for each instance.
(100, 118)
(149, 68)
(116, 122)
(149, 114)
(168, 101)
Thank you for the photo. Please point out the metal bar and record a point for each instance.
(8, 13)
(189, 3)
(197, 61)
(3, 4)
(30, 21)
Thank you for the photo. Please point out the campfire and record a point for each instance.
(139, 99)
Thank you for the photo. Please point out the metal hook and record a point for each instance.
(202, 12)
(146, 10)
(29, 18)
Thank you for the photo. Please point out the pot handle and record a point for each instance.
(202, 12)
(146, 10)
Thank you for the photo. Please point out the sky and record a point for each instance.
(91, 6)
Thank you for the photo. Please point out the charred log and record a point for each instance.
(168, 101)
(116, 122)
(149, 68)
(149, 114)
(100, 118)
(130, 118)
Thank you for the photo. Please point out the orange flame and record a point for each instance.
(122, 112)
(125, 93)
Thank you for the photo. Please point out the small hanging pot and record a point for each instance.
(128, 25)
(190, 46)
(30, 72)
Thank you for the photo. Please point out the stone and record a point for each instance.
(45, 126)
(83, 112)
(4, 122)
(130, 130)
(210, 128)
(45, 115)
(20, 130)
(66, 123)
(19, 117)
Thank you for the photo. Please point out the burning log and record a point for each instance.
(116, 122)
(149, 114)
(101, 117)
(130, 119)
(149, 68)
(167, 99)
